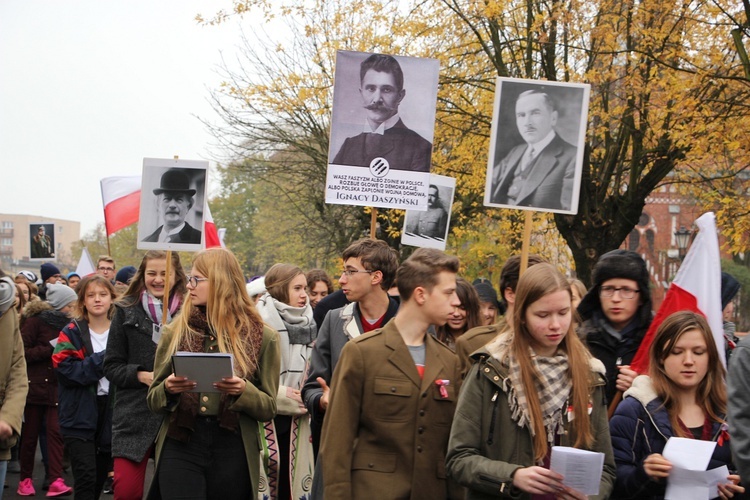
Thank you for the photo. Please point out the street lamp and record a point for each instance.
(682, 236)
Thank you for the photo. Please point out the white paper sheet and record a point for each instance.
(690, 454)
(684, 484)
(581, 469)
(689, 479)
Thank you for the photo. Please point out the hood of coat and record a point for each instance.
(46, 313)
(642, 390)
(35, 309)
(495, 351)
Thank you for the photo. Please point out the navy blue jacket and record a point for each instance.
(78, 372)
(642, 415)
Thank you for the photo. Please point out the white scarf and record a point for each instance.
(283, 318)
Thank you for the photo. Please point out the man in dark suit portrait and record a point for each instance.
(541, 171)
(384, 135)
(175, 199)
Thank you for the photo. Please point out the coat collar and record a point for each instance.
(400, 357)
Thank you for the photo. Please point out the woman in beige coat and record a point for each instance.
(13, 382)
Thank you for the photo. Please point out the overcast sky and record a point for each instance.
(89, 88)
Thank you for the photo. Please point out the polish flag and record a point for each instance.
(696, 287)
(121, 197)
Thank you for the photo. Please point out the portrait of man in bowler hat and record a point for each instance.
(175, 198)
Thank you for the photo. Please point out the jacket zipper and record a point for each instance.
(492, 421)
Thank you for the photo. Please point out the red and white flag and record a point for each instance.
(696, 287)
(121, 197)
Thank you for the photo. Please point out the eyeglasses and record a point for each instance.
(351, 272)
(194, 280)
(106, 269)
(625, 292)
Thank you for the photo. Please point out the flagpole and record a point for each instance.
(526, 241)
(167, 284)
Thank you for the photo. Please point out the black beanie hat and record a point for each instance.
(618, 264)
(729, 288)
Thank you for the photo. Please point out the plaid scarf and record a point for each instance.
(553, 388)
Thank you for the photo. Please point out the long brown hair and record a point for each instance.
(229, 309)
(711, 395)
(469, 299)
(538, 281)
(132, 294)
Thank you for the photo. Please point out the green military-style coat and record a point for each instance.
(256, 404)
(487, 446)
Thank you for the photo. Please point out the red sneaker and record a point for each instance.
(58, 488)
(26, 488)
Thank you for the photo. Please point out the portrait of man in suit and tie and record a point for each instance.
(170, 220)
(542, 170)
(382, 134)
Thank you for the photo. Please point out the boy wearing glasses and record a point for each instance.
(369, 270)
(393, 395)
(616, 314)
(106, 267)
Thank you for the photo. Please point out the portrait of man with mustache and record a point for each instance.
(384, 134)
(175, 198)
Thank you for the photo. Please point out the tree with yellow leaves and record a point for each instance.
(668, 103)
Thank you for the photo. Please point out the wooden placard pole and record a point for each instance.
(526, 241)
(373, 223)
(167, 285)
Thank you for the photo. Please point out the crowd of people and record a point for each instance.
(407, 382)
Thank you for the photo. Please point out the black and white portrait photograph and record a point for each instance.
(42, 241)
(429, 228)
(382, 128)
(173, 194)
(536, 148)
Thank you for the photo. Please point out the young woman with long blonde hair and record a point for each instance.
(208, 444)
(529, 391)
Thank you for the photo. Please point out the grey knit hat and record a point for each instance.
(7, 294)
(59, 295)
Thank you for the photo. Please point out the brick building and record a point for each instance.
(666, 211)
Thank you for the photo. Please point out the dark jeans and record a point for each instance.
(91, 459)
(211, 465)
(90, 467)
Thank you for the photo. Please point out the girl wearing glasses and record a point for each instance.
(684, 396)
(285, 307)
(208, 444)
(129, 365)
(530, 390)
